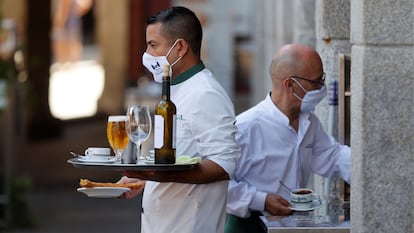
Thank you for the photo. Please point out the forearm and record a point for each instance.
(205, 172)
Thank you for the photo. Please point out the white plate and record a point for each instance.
(104, 192)
(316, 204)
(106, 159)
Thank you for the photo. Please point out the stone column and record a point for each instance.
(332, 38)
(265, 26)
(112, 33)
(304, 22)
(332, 20)
(274, 28)
(382, 138)
(219, 40)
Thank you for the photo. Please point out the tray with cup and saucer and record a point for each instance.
(182, 163)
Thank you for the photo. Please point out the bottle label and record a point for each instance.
(158, 131)
(174, 130)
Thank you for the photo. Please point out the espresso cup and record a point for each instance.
(97, 153)
(303, 198)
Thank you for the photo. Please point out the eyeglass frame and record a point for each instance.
(313, 81)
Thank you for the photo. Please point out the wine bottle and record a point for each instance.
(165, 124)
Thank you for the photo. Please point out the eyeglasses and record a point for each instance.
(320, 82)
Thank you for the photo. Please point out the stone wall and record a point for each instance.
(382, 36)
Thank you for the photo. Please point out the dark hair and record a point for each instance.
(180, 22)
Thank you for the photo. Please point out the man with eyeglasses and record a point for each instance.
(282, 142)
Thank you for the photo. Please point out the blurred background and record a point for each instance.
(65, 65)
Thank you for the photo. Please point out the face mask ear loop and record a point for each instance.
(178, 59)
(301, 99)
(296, 81)
(169, 51)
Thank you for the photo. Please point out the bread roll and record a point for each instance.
(85, 183)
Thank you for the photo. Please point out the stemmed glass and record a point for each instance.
(138, 125)
(116, 134)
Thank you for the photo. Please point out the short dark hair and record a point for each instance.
(180, 22)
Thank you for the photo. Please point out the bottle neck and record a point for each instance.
(166, 83)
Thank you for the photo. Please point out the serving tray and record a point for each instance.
(141, 166)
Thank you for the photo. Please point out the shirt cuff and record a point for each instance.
(258, 202)
(345, 165)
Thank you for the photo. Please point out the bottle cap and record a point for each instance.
(166, 70)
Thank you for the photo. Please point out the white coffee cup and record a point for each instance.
(303, 198)
(97, 153)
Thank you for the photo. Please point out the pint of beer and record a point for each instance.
(116, 134)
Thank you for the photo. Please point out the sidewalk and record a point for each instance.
(67, 211)
(55, 205)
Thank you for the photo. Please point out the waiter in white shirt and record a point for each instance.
(282, 142)
(192, 201)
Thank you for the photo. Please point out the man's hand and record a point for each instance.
(277, 205)
(133, 192)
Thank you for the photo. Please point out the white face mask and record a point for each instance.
(311, 98)
(155, 64)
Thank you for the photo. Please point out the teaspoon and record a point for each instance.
(76, 155)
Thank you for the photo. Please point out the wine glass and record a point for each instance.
(116, 134)
(138, 125)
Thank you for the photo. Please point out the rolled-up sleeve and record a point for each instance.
(214, 130)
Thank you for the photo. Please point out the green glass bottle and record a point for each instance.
(165, 124)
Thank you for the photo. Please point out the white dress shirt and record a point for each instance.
(273, 152)
(205, 128)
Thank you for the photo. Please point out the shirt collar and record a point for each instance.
(275, 111)
(188, 73)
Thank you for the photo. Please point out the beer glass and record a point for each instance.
(117, 134)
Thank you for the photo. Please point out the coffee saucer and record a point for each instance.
(104, 159)
(316, 204)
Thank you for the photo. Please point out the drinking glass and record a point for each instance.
(138, 125)
(117, 134)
